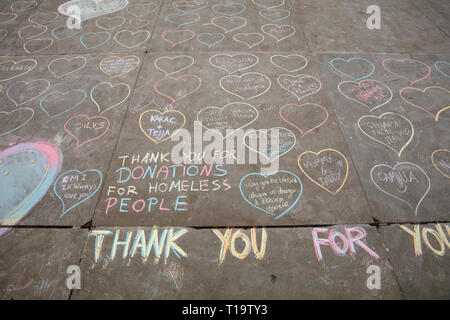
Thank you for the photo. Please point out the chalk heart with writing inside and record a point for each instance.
(441, 161)
(64, 66)
(11, 69)
(232, 117)
(89, 10)
(289, 63)
(27, 171)
(85, 129)
(14, 120)
(246, 86)
(301, 85)
(428, 95)
(327, 168)
(370, 93)
(404, 181)
(275, 194)
(390, 129)
(172, 65)
(279, 33)
(116, 66)
(305, 117)
(107, 96)
(161, 126)
(74, 187)
(177, 88)
(285, 141)
(407, 69)
(232, 63)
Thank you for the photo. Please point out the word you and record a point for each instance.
(438, 234)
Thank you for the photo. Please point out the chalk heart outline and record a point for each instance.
(15, 63)
(349, 60)
(139, 23)
(210, 45)
(5, 33)
(27, 83)
(221, 109)
(161, 113)
(232, 56)
(155, 6)
(68, 60)
(434, 116)
(398, 152)
(266, 131)
(14, 17)
(268, 7)
(438, 69)
(34, 26)
(110, 18)
(163, 36)
(287, 57)
(30, 18)
(107, 33)
(228, 18)
(179, 25)
(63, 93)
(132, 34)
(203, 5)
(85, 199)
(242, 76)
(301, 106)
(20, 126)
(99, 109)
(26, 5)
(383, 63)
(279, 27)
(265, 177)
(399, 164)
(230, 4)
(434, 164)
(359, 84)
(317, 154)
(77, 32)
(263, 13)
(172, 100)
(88, 118)
(119, 58)
(305, 76)
(35, 40)
(155, 63)
(246, 35)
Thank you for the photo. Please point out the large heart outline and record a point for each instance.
(68, 60)
(204, 5)
(210, 45)
(34, 40)
(434, 116)
(240, 77)
(348, 60)
(359, 83)
(398, 198)
(99, 109)
(162, 113)
(434, 164)
(20, 126)
(155, 63)
(78, 145)
(228, 18)
(398, 152)
(63, 93)
(231, 56)
(64, 210)
(98, 44)
(281, 26)
(27, 83)
(383, 63)
(222, 109)
(31, 26)
(110, 18)
(14, 17)
(163, 36)
(30, 18)
(313, 180)
(246, 34)
(132, 33)
(438, 69)
(287, 56)
(172, 100)
(265, 176)
(266, 131)
(214, 8)
(66, 37)
(300, 106)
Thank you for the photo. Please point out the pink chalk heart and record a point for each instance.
(305, 117)
(176, 89)
(406, 68)
(139, 23)
(251, 39)
(85, 129)
(175, 37)
(27, 171)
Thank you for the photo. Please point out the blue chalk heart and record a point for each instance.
(108, 34)
(3, 34)
(63, 93)
(215, 10)
(197, 18)
(265, 177)
(153, 5)
(65, 210)
(210, 45)
(348, 60)
(265, 13)
(436, 65)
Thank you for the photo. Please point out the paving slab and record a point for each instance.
(231, 25)
(340, 26)
(437, 11)
(151, 181)
(34, 262)
(395, 120)
(420, 257)
(60, 119)
(115, 28)
(283, 266)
